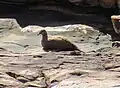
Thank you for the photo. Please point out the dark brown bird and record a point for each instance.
(56, 43)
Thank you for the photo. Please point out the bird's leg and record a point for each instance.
(45, 49)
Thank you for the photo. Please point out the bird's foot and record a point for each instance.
(77, 52)
(46, 50)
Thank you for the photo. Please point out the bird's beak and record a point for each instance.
(39, 33)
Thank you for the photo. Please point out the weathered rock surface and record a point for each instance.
(91, 80)
(24, 64)
(10, 24)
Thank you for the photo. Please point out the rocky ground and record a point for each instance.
(23, 63)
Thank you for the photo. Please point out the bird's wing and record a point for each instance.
(60, 39)
(60, 43)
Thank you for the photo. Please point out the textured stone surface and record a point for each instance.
(98, 80)
(9, 24)
(24, 64)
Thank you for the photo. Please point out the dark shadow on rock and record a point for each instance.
(55, 18)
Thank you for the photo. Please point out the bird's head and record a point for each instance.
(42, 32)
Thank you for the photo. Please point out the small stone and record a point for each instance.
(116, 44)
(109, 66)
(39, 82)
(75, 53)
(98, 54)
(37, 56)
(22, 79)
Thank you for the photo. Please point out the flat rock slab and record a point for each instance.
(102, 79)
(23, 62)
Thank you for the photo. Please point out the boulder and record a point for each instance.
(9, 24)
